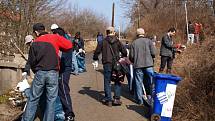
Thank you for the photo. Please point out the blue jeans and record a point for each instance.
(140, 75)
(42, 80)
(59, 113)
(74, 62)
(107, 84)
(81, 63)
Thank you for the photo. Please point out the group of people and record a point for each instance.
(194, 32)
(52, 56)
(136, 61)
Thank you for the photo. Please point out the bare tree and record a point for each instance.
(156, 16)
(17, 17)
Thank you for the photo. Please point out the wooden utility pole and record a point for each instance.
(138, 21)
(185, 6)
(113, 15)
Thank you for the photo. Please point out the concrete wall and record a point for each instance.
(9, 77)
(10, 73)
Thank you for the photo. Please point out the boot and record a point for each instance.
(168, 71)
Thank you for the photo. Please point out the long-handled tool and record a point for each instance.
(20, 51)
(95, 65)
(145, 95)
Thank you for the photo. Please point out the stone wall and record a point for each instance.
(10, 72)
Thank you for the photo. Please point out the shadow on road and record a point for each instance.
(100, 70)
(92, 93)
(126, 94)
(142, 110)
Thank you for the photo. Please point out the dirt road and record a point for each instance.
(87, 91)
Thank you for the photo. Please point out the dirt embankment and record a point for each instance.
(195, 94)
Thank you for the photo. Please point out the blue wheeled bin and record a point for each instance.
(164, 95)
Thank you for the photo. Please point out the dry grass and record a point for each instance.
(90, 46)
(195, 94)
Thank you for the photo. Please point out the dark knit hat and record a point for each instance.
(38, 26)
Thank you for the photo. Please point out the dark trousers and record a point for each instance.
(166, 60)
(64, 93)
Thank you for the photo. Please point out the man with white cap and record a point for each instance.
(29, 39)
(142, 52)
(54, 26)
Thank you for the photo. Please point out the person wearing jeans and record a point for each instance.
(42, 78)
(59, 113)
(44, 62)
(107, 61)
(146, 75)
(75, 63)
(107, 84)
(142, 54)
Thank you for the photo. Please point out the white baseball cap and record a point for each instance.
(54, 26)
(29, 38)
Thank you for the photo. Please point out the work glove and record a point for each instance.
(80, 50)
(24, 75)
(95, 64)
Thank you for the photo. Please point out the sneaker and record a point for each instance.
(106, 102)
(117, 102)
(70, 118)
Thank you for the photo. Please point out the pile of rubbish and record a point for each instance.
(18, 96)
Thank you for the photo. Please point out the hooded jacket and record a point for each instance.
(104, 48)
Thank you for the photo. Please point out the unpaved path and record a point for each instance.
(87, 91)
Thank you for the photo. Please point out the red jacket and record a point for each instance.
(44, 52)
(198, 28)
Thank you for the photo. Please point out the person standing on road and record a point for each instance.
(109, 42)
(44, 62)
(80, 52)
(142, 54)
(99, 38)
(64, 77)
(59, 113)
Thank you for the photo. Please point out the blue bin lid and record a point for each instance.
(167, 76)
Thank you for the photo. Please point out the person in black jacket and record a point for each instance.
(43, 60)
(167, 51)
(64, 77)
(109, 42)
